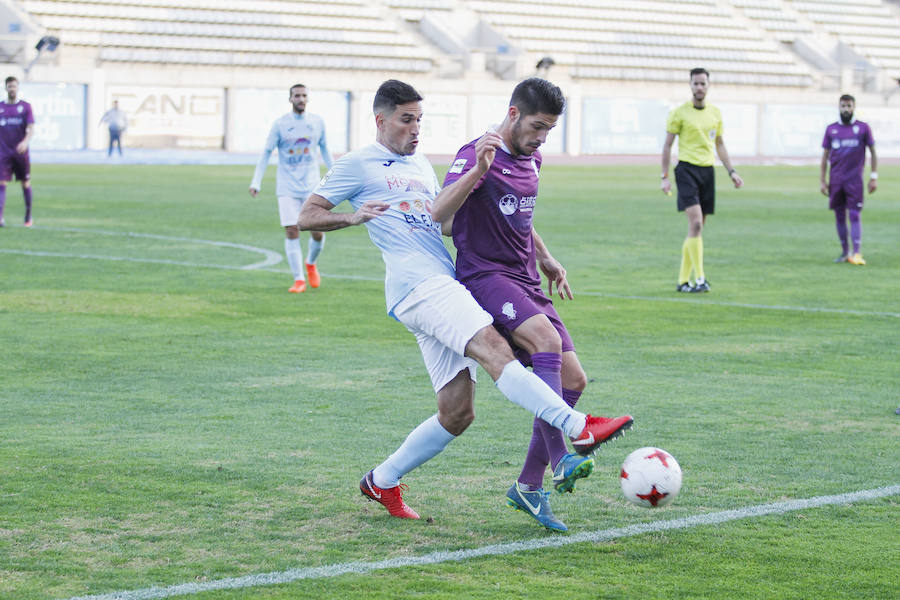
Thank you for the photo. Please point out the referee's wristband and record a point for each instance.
(731, 172)
(873, 175)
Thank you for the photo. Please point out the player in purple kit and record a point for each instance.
(845, 144)
(498, 256)
(16, 127)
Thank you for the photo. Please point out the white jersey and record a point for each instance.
(297, 138)
(409, 240)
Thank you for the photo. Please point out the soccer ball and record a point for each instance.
(650, 477)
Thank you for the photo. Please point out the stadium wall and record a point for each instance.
(231, 109)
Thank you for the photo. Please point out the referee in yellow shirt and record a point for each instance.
(699, 128)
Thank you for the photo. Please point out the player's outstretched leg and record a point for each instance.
(390, 498)
(536, 504)
(599, 430)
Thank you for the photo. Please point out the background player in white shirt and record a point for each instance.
(393, 190)
(298, 136)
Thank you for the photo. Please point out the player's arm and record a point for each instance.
(666, 185)
(317, 215)
(271, 143)
(722, 151)
(551, 268)
(873, 173)
(323, 150)
(823, 172)
(22, 147)
(451, 198)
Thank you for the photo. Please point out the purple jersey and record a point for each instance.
(14, 119)
(848, 152)
(492, 231)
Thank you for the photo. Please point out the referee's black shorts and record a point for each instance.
(696, 185)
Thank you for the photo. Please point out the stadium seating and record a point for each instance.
(646, 40)
(870, 27)
(742, 41)
(339, 34)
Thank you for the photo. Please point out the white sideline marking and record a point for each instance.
(842, 311)
(271, 258)
(604, 535)
(274, 258)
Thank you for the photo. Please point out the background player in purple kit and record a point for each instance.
(845, 144)
(498, 255)
(16, 128)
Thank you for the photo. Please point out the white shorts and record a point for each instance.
(289, 209)
(444, 317)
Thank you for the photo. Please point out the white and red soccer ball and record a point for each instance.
(650, 477)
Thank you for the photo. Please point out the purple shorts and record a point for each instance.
(511, 303)
(15, 164)
(847, 195)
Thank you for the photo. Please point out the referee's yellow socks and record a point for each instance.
(684, 275)
(694, 248)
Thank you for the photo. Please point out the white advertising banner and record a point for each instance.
(885, 124)
(740, 125)
(487, 111)
(59, 110)
(444, 124)
(443, 127)
(633, 126)
(176, 117)
(254, 111)
(623, 125)
(795, 129)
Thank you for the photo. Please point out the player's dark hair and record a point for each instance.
(699, 71)
(846, 97)
(536, 95)
(11, 78)
(393, 93)
(296, 85)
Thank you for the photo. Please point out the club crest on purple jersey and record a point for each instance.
(508, 204)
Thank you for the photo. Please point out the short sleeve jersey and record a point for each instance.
(409, 240)
(297, 138)
(848, 150)
(492, 231)
(14, 120)
(697, 130)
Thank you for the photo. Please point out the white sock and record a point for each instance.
(527, 390)
(314, 249)
(294, 254)
(422, 444)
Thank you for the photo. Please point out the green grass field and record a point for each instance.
(168, 417)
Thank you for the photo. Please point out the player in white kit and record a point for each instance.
(392, 191)
(298, 136)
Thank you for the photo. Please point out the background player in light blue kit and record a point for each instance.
(298, 137)
(392, 191)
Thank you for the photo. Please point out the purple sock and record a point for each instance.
(547, 443)
(26, 191)
(571, 397)
(2, 200)
(855, 230)
(840, 221)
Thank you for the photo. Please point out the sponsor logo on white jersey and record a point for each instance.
(458, 165)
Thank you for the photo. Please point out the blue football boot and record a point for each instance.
(569, 469)
(536, 504)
